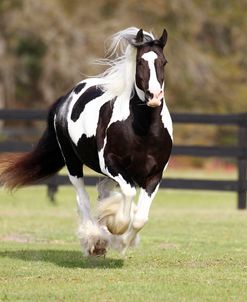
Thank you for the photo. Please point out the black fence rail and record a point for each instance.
(237, 152)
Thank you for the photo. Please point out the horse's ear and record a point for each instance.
(163, 38)
(139, 36)
(138, 40)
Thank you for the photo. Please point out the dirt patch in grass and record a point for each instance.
(169, 246)
(21, 238)
(16, 238)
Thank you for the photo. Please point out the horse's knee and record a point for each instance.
(139, 222)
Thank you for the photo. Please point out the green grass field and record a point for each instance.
(194, 248)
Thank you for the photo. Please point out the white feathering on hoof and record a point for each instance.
(93, 238)
(109, 212)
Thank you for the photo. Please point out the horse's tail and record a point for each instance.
(24, 169)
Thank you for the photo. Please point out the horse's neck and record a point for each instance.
(145, 119)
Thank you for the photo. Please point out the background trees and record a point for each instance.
(47, 46)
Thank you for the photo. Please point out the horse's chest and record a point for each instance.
(153, 151)
(139, 155)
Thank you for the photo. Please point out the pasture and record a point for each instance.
(194, 248)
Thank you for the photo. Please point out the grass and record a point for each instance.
(193, 249)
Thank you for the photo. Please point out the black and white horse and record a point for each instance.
(117, 124)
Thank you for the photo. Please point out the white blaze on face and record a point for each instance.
(153, 86)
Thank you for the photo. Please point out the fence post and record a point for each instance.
(52, 188)
(242, 164)
(51, 192)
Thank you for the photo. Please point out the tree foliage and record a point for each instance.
(47, 46)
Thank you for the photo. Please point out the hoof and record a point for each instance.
(98, 249)
(94, 239)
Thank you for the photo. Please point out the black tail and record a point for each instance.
(46, 159)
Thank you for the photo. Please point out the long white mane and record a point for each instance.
(119, 77)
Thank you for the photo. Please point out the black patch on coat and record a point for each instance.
(142, 74)
(67, 147)
(79, 87)
(73, 162)
(141, 116)
(159, 64)
(88, 152)
(105, 115)
(89, 95)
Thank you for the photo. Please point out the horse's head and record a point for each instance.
(150, 62)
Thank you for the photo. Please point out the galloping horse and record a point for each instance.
(117, 124)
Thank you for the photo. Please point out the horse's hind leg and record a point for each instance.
(93, 238)
(106, 188)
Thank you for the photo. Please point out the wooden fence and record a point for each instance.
(237, 152)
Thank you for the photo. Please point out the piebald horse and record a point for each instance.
(118, 124)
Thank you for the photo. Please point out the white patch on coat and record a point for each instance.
(143, 207)
(88, 120)
(102, 164)
(166, 119)
(82, 197)
(153, 85)
(121, 109)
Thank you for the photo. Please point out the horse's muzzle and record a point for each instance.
(154, 100)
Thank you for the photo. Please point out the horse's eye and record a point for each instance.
(162, 62)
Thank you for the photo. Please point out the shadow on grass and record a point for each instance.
(69, 259)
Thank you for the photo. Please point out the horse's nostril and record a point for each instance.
(149, 95)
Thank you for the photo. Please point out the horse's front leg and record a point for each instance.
(140, 218)
(116, 210)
